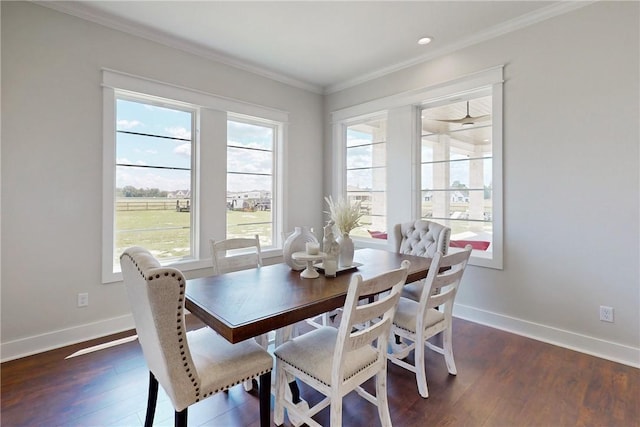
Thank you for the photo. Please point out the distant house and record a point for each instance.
(179, 194)
(456, 197)
(249, 200)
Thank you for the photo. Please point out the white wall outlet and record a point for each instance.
(606, 313)
(83, 299)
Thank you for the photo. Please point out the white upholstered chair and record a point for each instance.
(225, 260)
(420, 238)
(419, 321)
(190, 366)
(337, 361)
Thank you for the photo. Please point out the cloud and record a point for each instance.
(183, 150)
(129, 124)
(248, 182)
(179, 132)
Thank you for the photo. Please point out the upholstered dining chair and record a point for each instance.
(421, 238)
(226, 260)
(337, 361)
(419, 321)
(190, 366)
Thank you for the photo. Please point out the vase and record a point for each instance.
(297, 242)
(346, 251)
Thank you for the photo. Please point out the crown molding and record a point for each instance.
(492, 32)
(79, 10)
(82, 11)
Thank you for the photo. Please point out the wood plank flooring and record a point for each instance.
(503, 380)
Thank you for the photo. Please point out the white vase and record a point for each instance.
(297, 242)
(346, 251)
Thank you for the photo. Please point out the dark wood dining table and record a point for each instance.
(248, 303)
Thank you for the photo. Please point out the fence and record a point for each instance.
(152, 205)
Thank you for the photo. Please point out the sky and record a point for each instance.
(250, 158)
(252, 152)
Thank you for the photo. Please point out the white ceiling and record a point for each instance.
(318, 45)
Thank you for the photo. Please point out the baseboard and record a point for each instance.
(585, 344)
(51, 340)
(596, 347)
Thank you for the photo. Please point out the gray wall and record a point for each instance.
(52, 164)
(571, 161)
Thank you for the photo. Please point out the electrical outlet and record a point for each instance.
(83, 299)
(606, 313)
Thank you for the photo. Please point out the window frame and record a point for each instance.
(345, 191)
(276, 175)
(479, 257)
(210, 146)
(339, 165)
(193, 171)
(404, 109)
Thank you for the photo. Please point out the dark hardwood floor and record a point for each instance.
(503, 380)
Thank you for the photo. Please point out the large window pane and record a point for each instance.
(456, 168)
(250, 180)
(153, 179)
(366, 180)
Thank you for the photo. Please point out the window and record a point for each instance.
(456, 170)
(250, 179)
(167, 153)
(366, 174)
(417, 155)
(153, 188)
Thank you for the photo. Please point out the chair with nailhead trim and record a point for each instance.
(420, 238)
(338, 361)
(226, 258)
(419, 321)
(190, 366)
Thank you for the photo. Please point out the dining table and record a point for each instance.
(248, 303)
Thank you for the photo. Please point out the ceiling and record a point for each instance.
(322, 46)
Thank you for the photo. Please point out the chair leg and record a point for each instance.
(151, 401)
(181, 418)
(447, 347)
(281, 383)
(421, 376)
(265, 400)
(381, 397)
(336, 411)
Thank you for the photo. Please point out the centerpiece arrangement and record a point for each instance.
(346, 217)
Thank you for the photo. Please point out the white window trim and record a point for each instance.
(113, 81)
(339, 171)
(277, 177)
(490, 78)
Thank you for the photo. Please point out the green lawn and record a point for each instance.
(166, 232)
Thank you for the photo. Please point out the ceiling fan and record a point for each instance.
(466, 120)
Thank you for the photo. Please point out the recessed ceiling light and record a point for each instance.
(424, 40)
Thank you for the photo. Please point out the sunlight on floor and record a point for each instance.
(102, 346)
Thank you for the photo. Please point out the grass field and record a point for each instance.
(166, 233)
